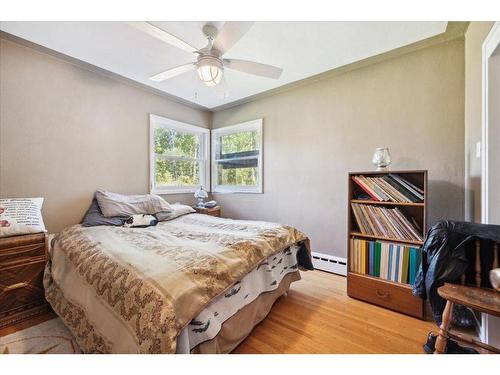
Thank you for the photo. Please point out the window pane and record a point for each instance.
(238, 172)
(174, 143)
(177, 172)
(237, 164)
(239, 144)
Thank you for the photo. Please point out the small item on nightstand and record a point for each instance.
(210, 204)
(200, 195)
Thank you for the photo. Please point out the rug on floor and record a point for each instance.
(50, 337)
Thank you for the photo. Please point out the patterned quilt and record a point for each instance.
(132, 290)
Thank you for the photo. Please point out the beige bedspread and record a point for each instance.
(126, 290)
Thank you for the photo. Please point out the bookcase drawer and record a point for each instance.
(391, 295)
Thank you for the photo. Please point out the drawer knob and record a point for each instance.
(15, 286)
(382, 294)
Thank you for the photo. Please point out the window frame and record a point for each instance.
(253, 125)
(203, 133)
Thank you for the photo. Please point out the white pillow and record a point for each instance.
(178, 209)
(21, 216)
(114, 204)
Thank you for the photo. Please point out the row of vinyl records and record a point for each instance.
(389, 188)
(385, 222)
(389, 261)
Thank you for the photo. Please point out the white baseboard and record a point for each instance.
(329, 263)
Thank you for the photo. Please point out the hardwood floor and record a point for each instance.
(317, 316)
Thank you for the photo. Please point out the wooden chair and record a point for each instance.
(485, 300)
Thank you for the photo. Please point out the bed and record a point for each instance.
(194, 284)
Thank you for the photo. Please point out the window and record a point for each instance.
(178, 156)
(237, 158)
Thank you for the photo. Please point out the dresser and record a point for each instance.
(22, 263)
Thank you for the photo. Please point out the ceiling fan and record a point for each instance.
(210, 64)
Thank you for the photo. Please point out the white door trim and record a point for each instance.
(490, 44)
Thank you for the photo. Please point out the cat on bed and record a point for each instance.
(140, 221)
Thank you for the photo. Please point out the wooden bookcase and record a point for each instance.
(389, 294)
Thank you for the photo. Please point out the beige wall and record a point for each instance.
(315, 134)
(474, 38)
(65, 131)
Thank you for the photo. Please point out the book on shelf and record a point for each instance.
(389, 261)
(408, 185)
(371, 257)
(387, 222)
(389, 188)
(414, 260)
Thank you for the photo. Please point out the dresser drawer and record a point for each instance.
(25, 247)
(22, 252)
(391, 295)
(21, 287)
(22, 263)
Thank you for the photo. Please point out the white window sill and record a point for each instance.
(173, 191)
(219, 190)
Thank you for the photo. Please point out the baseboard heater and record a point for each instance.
(330, 263)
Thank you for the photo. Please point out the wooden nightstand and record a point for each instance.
(22, 263)
(214, 211)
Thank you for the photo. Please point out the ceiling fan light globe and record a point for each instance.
(210, 72)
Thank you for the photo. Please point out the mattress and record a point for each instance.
(266, 277)
(239, 326)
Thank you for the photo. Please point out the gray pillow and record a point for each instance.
(113, 204)
(94, 217)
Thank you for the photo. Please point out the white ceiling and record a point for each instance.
(302, 49)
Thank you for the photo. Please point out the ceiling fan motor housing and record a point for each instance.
(210, 31)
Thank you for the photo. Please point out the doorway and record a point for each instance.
(490, 183)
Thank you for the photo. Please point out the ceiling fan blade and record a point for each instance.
(163, 35)
(173, 72)
(230, 33)
(254, 68)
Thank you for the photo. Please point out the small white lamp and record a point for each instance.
(200, 196)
